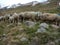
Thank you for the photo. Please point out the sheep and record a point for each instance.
(54, 18)
(16, 17)
(33, 16)
(48, 17)
(11, 19)
(58, 20)
(38, 16)
(29, 16)
(6, 18)
(21, 18)
(44, 16)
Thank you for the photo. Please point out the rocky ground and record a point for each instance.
(29, 33)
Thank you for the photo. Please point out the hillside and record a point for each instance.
(29, 24)
(30, 29)
(52, 7)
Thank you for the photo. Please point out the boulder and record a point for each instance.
(30, 23)
(23, 39)
(41, 30)
(44, 25)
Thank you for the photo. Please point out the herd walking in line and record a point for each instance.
(32, 16)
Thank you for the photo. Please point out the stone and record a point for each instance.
(30, 23)
(24, 39)
(41, 30)
(44, 25)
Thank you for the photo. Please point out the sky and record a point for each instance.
(10, 2)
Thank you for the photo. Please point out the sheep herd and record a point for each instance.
(32, 16)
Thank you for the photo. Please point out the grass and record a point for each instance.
(50, 35)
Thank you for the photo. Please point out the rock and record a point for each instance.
(24, 39)
(41, 30)
(54, 26)
(30, 23)
(44, 25)
(50, 43)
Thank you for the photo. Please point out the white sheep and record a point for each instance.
(11, 19)
(49, 16)
(16, 17)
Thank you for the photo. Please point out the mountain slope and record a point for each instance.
(51, 7)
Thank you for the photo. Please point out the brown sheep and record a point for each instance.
(49, 17)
